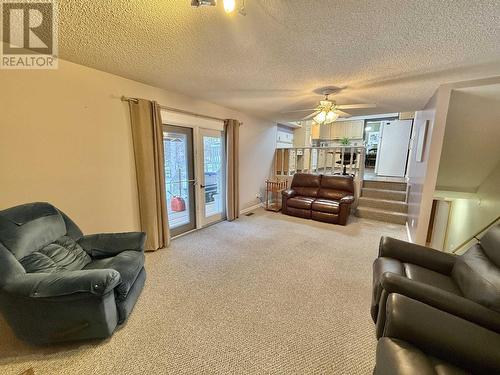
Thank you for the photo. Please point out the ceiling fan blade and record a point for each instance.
(342, 113)
(300, 110)
(310, 116)
(356, 106)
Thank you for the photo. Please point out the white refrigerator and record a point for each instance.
(392, 154)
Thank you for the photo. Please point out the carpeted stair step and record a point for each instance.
(384, 185)
(381, 215)
(392, 195)
(383, 204)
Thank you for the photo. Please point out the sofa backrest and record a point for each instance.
(477, 271)
(490, 243)
(336, 187)
(306, 184)
(30, 227)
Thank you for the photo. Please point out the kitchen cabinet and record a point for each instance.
(315, 131)
(350, 129)
(324, 131)
(302, 135)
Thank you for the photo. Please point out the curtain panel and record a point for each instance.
(150, 170)
(231, 132)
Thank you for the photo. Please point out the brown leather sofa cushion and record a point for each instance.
(324, 205)
(306, 184)
(300, 202)
(332, 194)
(336, 187)
(341, 183)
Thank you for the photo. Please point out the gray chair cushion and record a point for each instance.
(398, 357)
(490, 243)
(30, 227)
(128, 263)
(63, 254)
(426, 276)
(478, 278)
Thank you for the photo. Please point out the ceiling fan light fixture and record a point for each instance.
(320, 118)
(331, 117)
(229, 6)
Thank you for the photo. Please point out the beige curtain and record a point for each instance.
(149, 164)
(231, 131)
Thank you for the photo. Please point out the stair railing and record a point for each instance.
(476, 236)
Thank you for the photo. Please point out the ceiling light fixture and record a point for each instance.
(326, 117)
(229, 6)
(197, 3)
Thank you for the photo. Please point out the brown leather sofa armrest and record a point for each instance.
(348, 199)
(442, 335)
(442, 300)
(420, 255)
(289, 193)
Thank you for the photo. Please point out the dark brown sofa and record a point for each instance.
(319, 197)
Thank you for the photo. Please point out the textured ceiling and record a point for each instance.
(391, 53)
(470, 147)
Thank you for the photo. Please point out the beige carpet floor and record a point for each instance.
(266, 294)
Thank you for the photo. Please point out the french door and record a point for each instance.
(211, 176)
(179, 178)
(194, 177)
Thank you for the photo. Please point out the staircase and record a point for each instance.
(383, 201)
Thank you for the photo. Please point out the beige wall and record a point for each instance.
(471, 214)
(470, 145)
(65, 138)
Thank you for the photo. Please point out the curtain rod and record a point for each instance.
(135, 100)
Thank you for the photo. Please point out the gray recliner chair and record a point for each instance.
(420, 339)
(467, 286)
(57, 284)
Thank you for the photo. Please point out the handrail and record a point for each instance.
(475, 235)
(317, 160)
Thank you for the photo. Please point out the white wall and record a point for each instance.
(422, 175)
(65, 138)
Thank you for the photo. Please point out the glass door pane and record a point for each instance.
(179, 178)
(212, 185)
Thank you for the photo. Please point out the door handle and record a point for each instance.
(202, 186)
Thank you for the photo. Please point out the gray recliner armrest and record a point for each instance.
(109, 244)
(440, 299)
(442, 335)
(289, 193)
(38, 285)
(420, 255)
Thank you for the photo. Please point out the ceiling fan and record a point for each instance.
(328, 110)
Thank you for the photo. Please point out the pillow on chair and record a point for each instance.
(64, 254)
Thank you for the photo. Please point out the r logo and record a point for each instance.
(27, 28)
(29, 34)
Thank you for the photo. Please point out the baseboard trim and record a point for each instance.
(251, 208)
(408, 232)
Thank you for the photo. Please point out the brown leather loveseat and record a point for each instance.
(319, 197)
